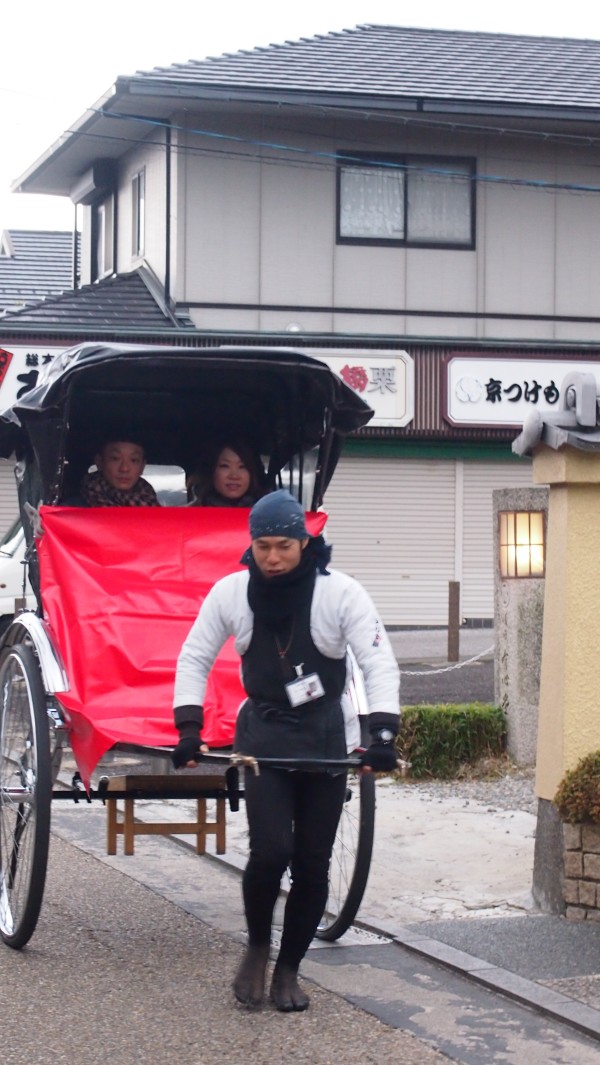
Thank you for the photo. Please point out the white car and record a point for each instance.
(12, 570)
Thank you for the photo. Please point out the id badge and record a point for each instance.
(304, 689)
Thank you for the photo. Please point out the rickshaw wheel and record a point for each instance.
(351, 858)
(25, 794)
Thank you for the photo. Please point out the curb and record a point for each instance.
(554, 1004)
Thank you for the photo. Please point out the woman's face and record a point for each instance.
(121, 463)
(231, 478)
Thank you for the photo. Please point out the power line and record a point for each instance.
(329, 159)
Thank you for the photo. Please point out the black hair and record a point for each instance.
(200, 482)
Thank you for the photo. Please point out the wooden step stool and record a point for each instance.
(129, 788)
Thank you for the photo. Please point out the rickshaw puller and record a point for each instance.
(292, 620)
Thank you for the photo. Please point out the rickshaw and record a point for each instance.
(117, 589)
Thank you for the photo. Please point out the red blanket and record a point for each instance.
(121, 587)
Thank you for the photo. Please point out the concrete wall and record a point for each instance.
(569, 723)
(518, 623)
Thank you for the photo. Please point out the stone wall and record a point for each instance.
(582, 872)
(518, 625)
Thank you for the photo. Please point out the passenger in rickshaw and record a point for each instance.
(117, 480)
(229, 475)
(293, 620)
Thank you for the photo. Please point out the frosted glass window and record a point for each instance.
(439, 203)
(372, 203)
(407, 200)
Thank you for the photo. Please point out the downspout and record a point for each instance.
(168, 217)
(75, 278)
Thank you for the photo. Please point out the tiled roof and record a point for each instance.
(34, 264)
(396, 62)
(124, 302)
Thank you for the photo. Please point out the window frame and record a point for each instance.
(406, 161)
(103, 237)
(138, 213)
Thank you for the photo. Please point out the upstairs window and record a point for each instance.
(103, 237)
(138, 213)
(417, 201)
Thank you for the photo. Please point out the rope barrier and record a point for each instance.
(445, 669)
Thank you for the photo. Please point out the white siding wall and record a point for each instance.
(259, 225)
(394, 526)
(220, 237)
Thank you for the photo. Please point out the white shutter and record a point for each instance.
(391, 523)
(480, 480)
(9, 506)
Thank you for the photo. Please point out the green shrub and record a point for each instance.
(438, 739)
(578, 795)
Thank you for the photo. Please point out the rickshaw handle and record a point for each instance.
(234, 759)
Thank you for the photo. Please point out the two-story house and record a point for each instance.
(419, 207)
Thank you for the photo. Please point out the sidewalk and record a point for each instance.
(480, 918)
(452, 869)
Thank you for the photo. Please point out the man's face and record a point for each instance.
(121, 463)
(275, 555)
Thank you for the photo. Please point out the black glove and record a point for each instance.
(189, 721)
(381, 756)
(186, 751)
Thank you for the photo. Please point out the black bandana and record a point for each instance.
(273, 599)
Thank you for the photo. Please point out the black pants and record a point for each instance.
(293, 818)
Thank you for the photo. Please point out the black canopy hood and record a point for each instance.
(174, 400)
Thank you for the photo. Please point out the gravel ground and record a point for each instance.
(513, 790)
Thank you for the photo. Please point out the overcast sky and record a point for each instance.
(59, 57)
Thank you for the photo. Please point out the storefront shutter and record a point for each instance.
(9, 507)
(391, 523)
(480, 480)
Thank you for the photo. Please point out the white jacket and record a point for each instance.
(342, 613)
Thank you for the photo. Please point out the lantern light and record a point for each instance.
(522, 543)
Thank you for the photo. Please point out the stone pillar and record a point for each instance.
(569, 710)
(518, 626)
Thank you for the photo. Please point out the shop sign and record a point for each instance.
(502, 392)
(383, 379)
(21, 369)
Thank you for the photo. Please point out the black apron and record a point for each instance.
(267, 725)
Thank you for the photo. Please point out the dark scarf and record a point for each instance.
(211, 498)
(273, 599)
(97, 492)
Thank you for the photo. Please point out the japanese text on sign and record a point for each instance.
(502, 391)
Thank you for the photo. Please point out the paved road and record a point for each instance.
(118, 973)
(133, 958)
(428, 676)
(435, 684)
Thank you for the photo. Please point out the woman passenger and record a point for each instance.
(230, 476)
